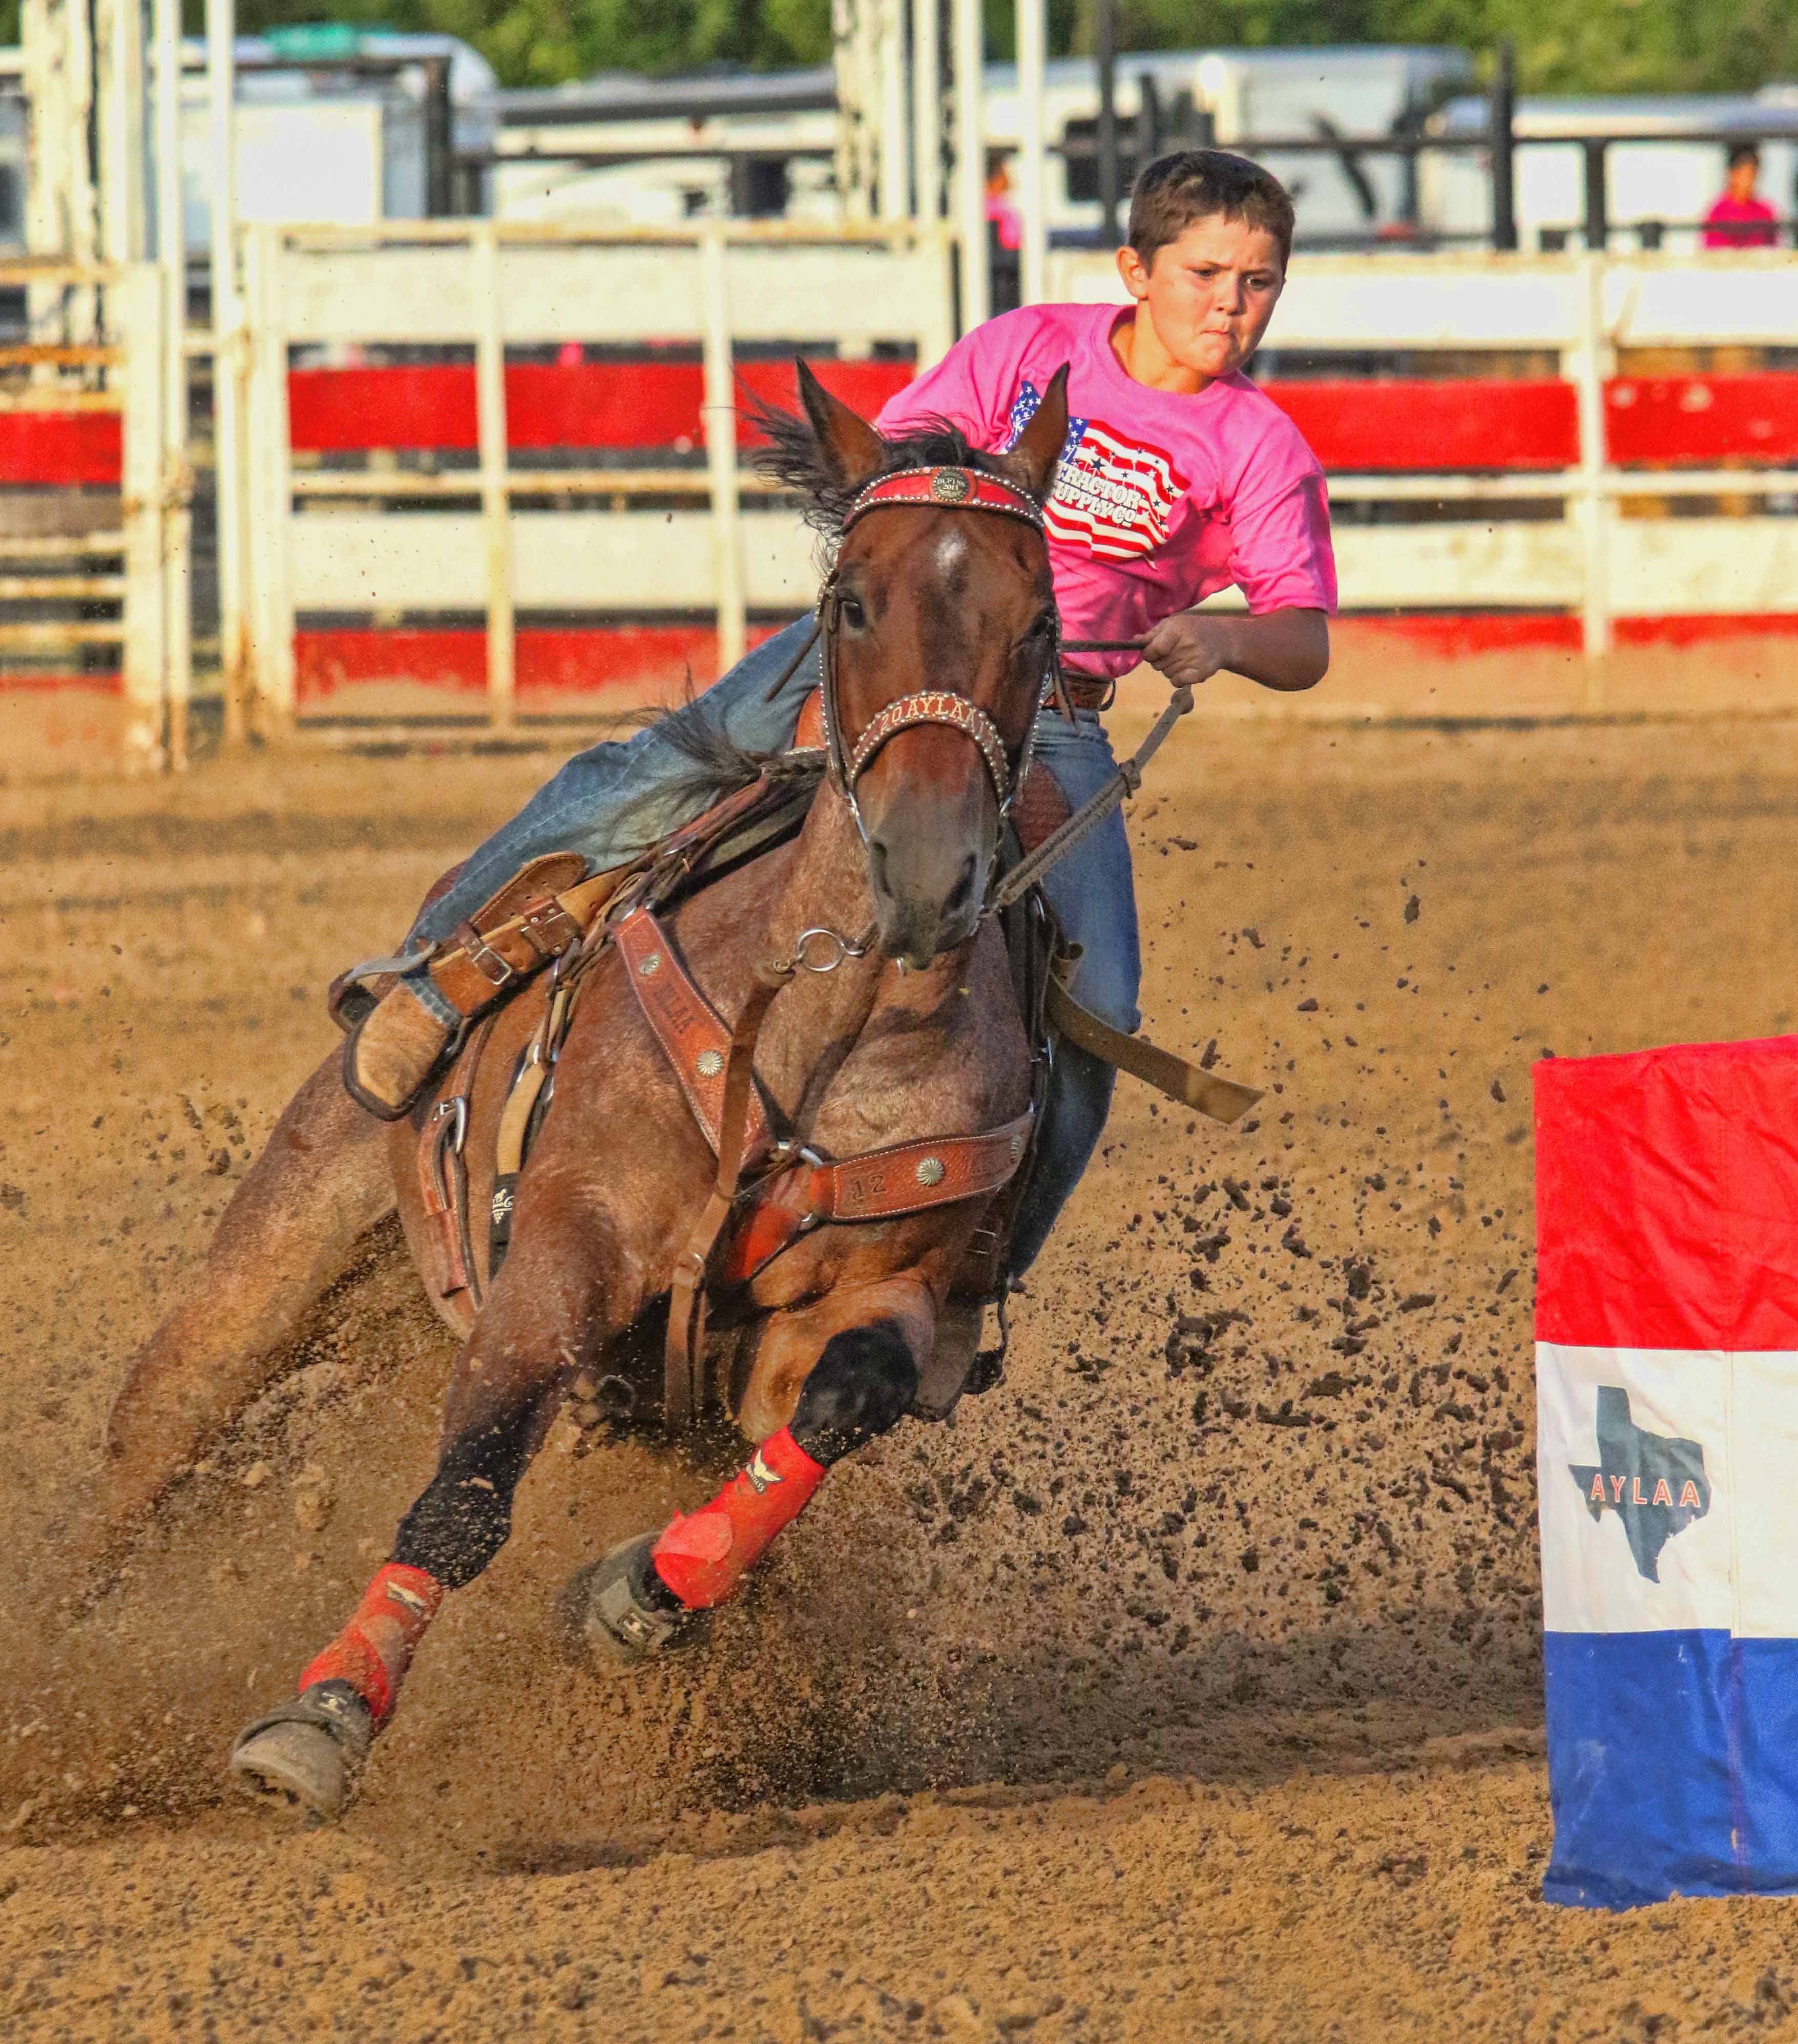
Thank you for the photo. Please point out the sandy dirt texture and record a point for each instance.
(1187, 1685)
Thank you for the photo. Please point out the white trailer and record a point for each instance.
(1664, 184)
(630, 151)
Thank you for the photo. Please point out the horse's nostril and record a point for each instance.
(877, 867)
(963, 888)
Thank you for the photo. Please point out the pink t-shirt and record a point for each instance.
(1161, 500)
(1741, 223)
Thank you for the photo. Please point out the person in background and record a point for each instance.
(1742, 218)
(1002, 215)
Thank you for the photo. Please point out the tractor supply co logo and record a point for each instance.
(1655, 1484)
(1112, 496)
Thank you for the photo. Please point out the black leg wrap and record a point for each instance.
(861, 1386)
(462, 1517)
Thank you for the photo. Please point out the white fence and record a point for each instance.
(334, 540)
(491, 533)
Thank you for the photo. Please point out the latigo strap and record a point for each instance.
(1220, 1099)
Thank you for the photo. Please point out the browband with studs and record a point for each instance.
(947, 489)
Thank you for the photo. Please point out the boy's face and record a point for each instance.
(1210, 294)
(1743, 177)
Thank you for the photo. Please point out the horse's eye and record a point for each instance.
(853, 616)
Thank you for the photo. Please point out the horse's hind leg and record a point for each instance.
(840, 1374)
(320, 1183)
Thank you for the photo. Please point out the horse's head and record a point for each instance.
(940, 635)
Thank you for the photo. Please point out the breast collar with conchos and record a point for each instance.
(945, 489)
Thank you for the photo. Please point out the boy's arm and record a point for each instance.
(1281, 649)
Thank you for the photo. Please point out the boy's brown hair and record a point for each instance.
(1203, 184)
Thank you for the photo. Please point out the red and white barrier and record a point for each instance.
(603, 534)
(555, 502)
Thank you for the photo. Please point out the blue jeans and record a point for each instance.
(602, 805)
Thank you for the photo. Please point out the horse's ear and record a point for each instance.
(1037, 451)
(852, 448)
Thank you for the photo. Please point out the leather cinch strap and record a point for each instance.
(884, 1185)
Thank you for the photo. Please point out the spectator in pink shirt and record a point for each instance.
(1742, 218)
(1002, 214)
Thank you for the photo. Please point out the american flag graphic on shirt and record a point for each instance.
(1112, 496)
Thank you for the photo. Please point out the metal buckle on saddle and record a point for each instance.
(491, 967)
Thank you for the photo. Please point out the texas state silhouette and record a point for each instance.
(1655, 1483)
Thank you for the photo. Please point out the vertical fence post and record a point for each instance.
(1590, 366)
(228, 369)
(137, 313)
(1106, 135)
(970, 162)
(496, 501)
(895, 193)
(720, 446)
(1501, 114)
(270, 490)
(81, 220)
(1032, 57)
(178, 476)
(1597, 198)
(926, 108)
(121, 100)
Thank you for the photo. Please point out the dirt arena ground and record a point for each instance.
(1186, 1687)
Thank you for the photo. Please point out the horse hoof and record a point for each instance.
(618, 1611)
(307, 1753)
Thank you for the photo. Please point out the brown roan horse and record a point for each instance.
(917, 1038)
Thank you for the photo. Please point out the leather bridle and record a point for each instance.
(943, 489)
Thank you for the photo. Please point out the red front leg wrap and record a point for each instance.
(373, 1651)
(702, 1557)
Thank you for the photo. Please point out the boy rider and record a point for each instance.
(1179, 478)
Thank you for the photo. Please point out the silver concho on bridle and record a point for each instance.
(941, 489)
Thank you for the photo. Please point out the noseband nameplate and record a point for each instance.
(945, 489)
(936, 706)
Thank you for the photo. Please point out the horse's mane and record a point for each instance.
(791, 457)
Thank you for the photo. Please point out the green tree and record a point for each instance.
(1562, 45)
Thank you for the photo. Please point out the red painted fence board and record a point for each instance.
(1373, 426)
(64, 447)
(1395, 425)
(1704, 419)
(609, 405)
(654, 661)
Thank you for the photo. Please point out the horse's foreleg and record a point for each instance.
(550, 1303)
(818, 1403)
(320, 1183)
